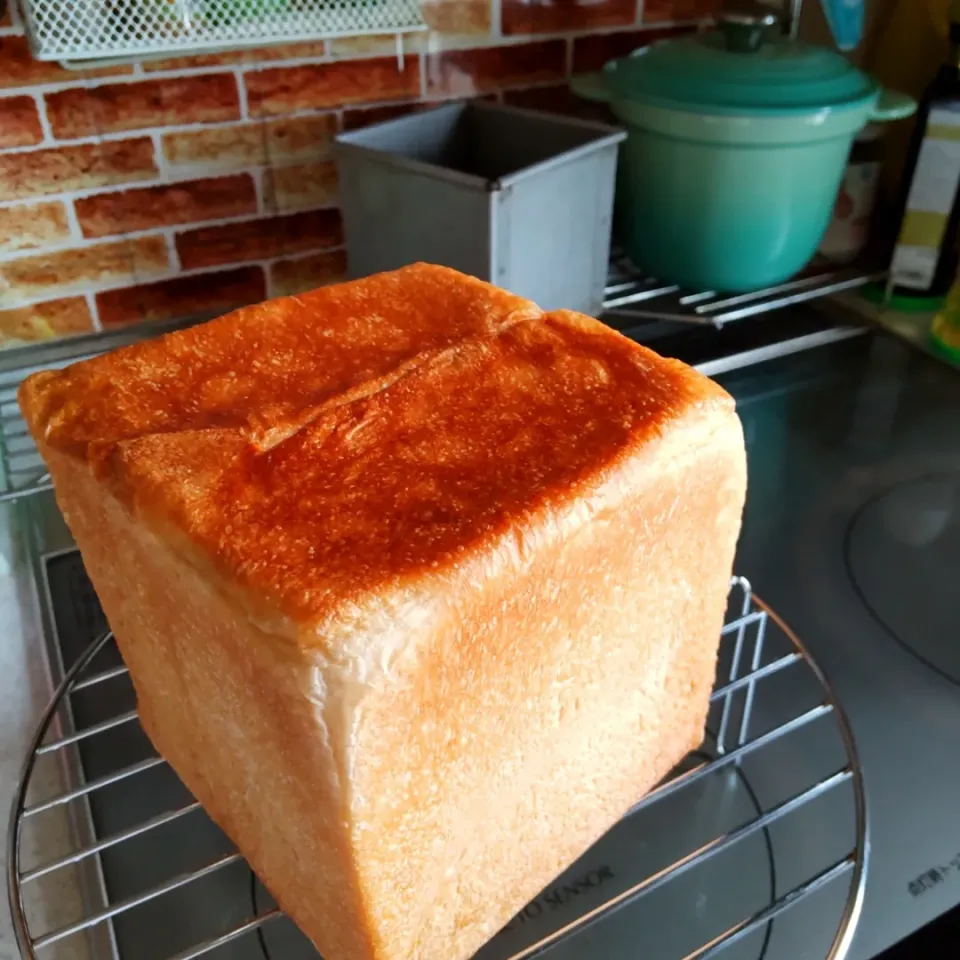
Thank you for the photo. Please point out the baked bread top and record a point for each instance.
(316, 452)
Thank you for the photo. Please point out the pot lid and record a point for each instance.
(738, 69)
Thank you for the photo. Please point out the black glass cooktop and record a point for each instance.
(852, 533)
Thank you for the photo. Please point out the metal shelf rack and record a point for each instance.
(632, 294)
(104, 30)
(21, 469)
(750, 625)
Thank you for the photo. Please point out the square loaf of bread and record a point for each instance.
(420, 587)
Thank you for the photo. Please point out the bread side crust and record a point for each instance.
(544, 705)
(241, 715)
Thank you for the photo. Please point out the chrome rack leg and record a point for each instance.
(745, 606)
(751, 687)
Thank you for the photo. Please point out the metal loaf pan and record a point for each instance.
(519, 198)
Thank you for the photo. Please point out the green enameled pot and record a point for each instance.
(736, 148)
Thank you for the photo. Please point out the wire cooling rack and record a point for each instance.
(750, 633)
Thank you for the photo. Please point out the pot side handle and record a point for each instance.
(892, 105)
(590, 86)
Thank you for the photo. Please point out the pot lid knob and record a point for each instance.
(744, 25)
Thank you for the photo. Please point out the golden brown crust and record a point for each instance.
(264, 365)
(359, 449)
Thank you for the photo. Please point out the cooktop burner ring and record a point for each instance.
(738, 742)
(907, 518)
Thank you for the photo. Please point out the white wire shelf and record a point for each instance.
(632, 293)
(82, 30)
(736, 742)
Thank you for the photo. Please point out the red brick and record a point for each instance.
(658, 11)
(289, 139)
(302, 187)
(366, 46)
(307, 273)
(283, 51)
(259, 239)
(44, 321)
(465, 73)
(106, 214)
(62, 169)
(559, 99)
(445, 18)
(202, 296)
(354, 119)
(287, 89)
(591, 53)
(19, 122)
(114, 107)
(30, 226)
(19, 69)
(458, 17)
(560, 16)
(82, 269)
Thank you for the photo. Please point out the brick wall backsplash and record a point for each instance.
(192, 185)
